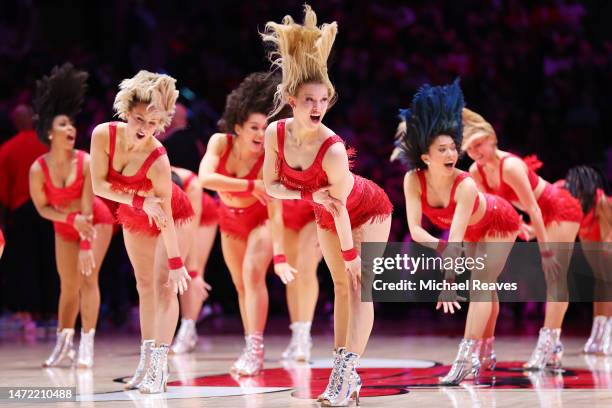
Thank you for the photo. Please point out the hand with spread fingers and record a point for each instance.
(87, 263)
(330, 203)
(353, 268)
(449, 301)
(285, 272)
(178, 280)
(259, 192)
(550, 265)
(84, 226)
(152, 207)
(201, 286)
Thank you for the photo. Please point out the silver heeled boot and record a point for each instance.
(607, 338)
(289, 352)
(63, 348)
(145, 356)
(86, 349)
(466, 363)
(156, 378)
(333, 375)
(186, 339)
(239, 363)
(254, 357)
(594, 344)
(303, 346)
(301, 343)
(488, 359)
(548, 351)
(348, 382)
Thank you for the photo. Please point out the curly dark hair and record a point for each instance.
(255, 94)
(583, 182)
(60, 93)
(434, 111)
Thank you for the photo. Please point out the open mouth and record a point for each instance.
(140, 135)
(449, 165)
(258, 142)
(315, 118)
(71, 138)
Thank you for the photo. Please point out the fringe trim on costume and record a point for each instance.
(532, 162)
(557, 205)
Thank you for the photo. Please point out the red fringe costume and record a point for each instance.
(556, 204)
(499, 219)
(297, 213)
(62, 197)
(238, 222)
(367, 202)
(133, 219)
(210, 206)
(589, 227)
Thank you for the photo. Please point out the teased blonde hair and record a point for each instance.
(301, 51)
(475, 127)
(156, 90)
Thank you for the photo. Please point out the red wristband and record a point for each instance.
(175, 263)
(306, 195)
(547, 253)
(250, 186)
(85, 244)
(442, 244)
(349, 254)
(280, 258)
(138, 201)
(192, 274)
(70, 218)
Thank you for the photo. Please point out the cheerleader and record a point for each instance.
(232, 166)
(61, 190)
(130, 166)
(428, 137)
(589, 186)
(554, 214)
(306, 160)
(203, 229)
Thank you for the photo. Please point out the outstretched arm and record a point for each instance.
(159, 174)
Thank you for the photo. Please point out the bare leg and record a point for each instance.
(560, 232)
(90, 291)
(192, 299)
(66, 257)
(482, 315)
(233, 253)
(354, 323)
(166, 301)
(254, 267)
(304, 254)
(599, 264)
(141, 251)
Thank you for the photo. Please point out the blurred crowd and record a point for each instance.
(540, 72)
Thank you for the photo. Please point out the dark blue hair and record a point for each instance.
(434, 111)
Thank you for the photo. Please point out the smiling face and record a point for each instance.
(62, 133)
(251, 132)
(442, 155)
(310, 105)
(481, 149)
(143, 122)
